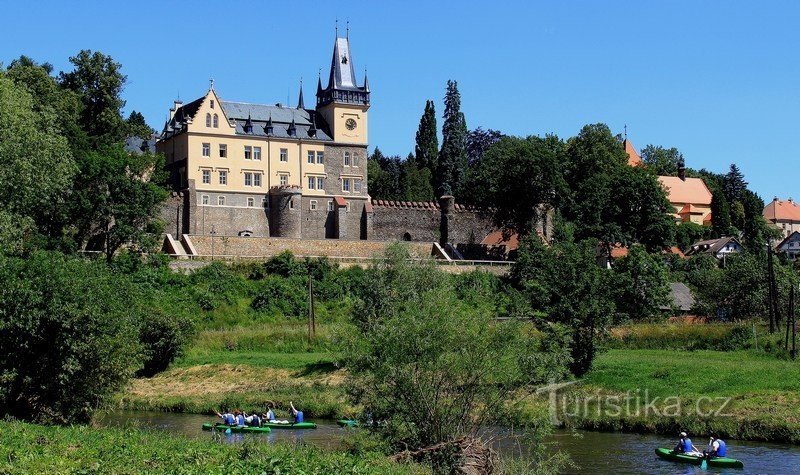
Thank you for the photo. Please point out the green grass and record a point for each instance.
(763, 392)
(293, 361)
(27, 448)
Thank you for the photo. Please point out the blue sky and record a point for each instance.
(719, 80)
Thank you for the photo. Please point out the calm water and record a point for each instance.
(593, 452)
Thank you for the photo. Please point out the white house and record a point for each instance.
(719, 248)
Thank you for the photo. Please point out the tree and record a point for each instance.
(415, 183)
(429, 393)
(452, 165)
(660, 160)
(478, 142)
(519, 178)
(720, 213)
(564, 282)
(384, 176)
(36, 166)
(118, 198)
(733, 184)
(426, 150)
(99, 81)
(137, 126)
(641, 281)
(67, 337)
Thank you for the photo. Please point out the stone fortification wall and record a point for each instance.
(422, 221)
(265, 247)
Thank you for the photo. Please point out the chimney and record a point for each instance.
(681, 168)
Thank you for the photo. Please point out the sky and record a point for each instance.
(719, 80)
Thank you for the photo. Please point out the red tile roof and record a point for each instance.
(495, 238)
(691, 190)
(780, 210)
(633, 156)
(340, 201)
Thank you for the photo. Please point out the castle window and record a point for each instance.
(223, 150)
(206, 177)
(256, 153)
(347, 159)
(208, 120)
(216, 121)
(248, 179)
(310, 156)
(212, 103)
(206, 149)
(330, 205)
(221, 200)
(357, 186)
(291, 204)
(283, 180)
(284, 155)
(251, 202)
(205, 199)
(320, 158)
(312, 182)
(346, 184)
(223, 177)
(320, 183)
(256, 179)
(355, 160)
(313, 205)
(248, 152)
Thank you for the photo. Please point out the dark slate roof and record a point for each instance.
(680, 296)
(139, 145)
(281, 116)
(711, 245)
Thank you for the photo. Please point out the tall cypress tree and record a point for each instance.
(734, 184)
(453, 157)
(426, 151)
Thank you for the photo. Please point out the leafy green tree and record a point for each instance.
(384, 176)
(426, 150)
(564, 282)
(738, 218)
(478, 142)
(689, 233)
(415, 183)
(99, 81)
(517, 177)
(137, 126)
(452, 166)
(67, 337)
(720, 213)
(118, 198)
(36, 166)
(641, 281)
(660, 160)
(426, 392)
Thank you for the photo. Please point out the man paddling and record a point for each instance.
(227, 418)
(716, 447)
(685, 444)
(298, 415)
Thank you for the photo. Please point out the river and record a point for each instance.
(593, 452)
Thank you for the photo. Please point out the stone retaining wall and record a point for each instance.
(270, 246)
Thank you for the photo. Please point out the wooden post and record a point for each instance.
(770, 290)
(310, 310)
(789, 317)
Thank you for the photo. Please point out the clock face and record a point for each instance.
(350, 124)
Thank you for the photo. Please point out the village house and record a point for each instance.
(790, 245)
(783, 215)
(719, 248)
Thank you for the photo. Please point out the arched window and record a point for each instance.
(208, 120)
(216, 121)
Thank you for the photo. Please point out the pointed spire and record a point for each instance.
(268, 128)
(248, 125)
(312, 131)
(347, 34)
(211, 86)
(319, 81)
(300, 104)
(366, 82)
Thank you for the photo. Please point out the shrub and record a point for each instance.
(280, 295)
(163, 338)
(68, 337)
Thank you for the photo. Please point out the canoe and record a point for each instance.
(347, 423)
(237, 429)
(294, 425)
(719, 462)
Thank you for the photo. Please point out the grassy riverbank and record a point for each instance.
(28, 448)
(741, 394)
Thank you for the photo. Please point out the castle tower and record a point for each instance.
(343, 103)
(285, 212)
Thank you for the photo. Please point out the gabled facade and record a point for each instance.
(783, 215)
(690, 197)
(274, 170)
(790, 245)
(719, 248)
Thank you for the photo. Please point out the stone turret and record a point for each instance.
(285, 211)
(446, 204)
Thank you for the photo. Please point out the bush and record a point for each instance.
(280, 295)
(163, 338)
(68, 337)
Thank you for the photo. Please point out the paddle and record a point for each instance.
(704, 464)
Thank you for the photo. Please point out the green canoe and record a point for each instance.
(720, 462)
(236, 429)
(294, 425)
(347, 423)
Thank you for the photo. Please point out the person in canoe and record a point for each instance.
(685, 444)
(298, 415)
(227, 418)
(716, 447)
(239, 416)
(269, 416)
(253, 420)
